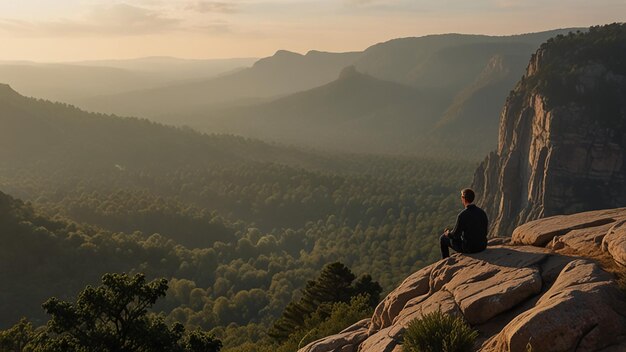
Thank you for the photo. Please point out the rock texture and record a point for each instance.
(575, 314)
(562, 145)
(516, 294)
(585, 233)
(346, 341)
(615, 242)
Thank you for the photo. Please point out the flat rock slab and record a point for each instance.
(491, 282)
(541, 232)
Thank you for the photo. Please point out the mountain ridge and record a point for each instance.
(343, 112)
(262, 80)
(37, 133)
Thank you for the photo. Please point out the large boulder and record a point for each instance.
(508, 294)
(541, 232)
(413, 286)
(582, 311)
(586, 233)
(486, 284)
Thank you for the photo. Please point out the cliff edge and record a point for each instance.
(562, 134)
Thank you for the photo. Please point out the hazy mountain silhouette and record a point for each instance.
(68, 83)
(283, 73)
(175, 68)
(76, 81)
(432, 94)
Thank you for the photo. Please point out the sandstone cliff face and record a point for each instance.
(562, 144)
(542, 288)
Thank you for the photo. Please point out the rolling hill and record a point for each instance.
(41, 134)
(354, 110)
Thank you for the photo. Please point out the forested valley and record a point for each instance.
(241, 229)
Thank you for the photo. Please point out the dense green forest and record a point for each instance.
(238, 227)
(240, 267)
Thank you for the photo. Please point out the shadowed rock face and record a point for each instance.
(562, 144)
(514, 294)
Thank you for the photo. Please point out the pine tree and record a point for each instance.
(334, 284)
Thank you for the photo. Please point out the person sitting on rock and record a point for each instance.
(470, 232)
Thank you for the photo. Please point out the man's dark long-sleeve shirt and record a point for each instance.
(471, 229)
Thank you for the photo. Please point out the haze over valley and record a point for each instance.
(409, 96)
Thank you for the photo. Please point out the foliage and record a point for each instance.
(317, 326)
(18, 337)
(236, 226)
(114, 317)
(377, 215)
(438, 332)
(341, 316)
(583, 68)
(335, 284)
(198, 341)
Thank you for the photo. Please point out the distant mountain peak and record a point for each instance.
(286, 53)
(349, 72)
(281, 56)
(314, 52)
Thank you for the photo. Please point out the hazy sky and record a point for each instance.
(57, 30)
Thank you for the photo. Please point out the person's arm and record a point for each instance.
(457, 230)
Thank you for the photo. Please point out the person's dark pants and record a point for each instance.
(447, 243)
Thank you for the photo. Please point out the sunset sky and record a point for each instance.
(70, 30)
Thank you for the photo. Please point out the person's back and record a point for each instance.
(474, 232)
(470, 232)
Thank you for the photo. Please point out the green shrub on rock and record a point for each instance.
(438, 332)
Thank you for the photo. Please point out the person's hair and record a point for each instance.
(468, 194)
